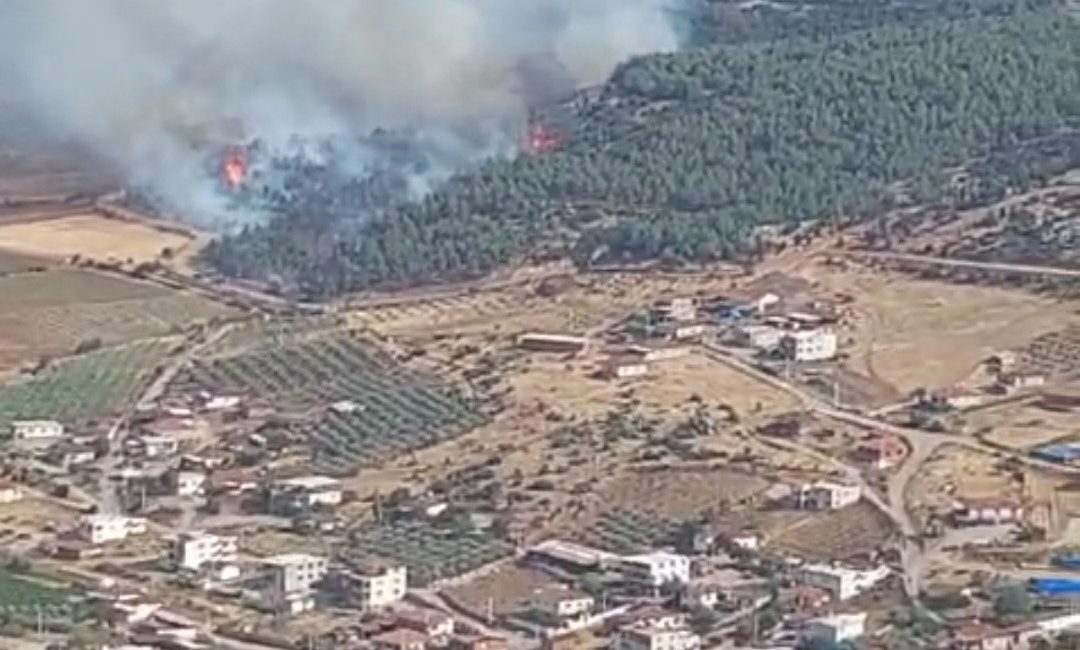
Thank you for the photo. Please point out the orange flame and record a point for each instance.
(234, 169)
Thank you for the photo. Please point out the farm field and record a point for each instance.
(85, 387)
(948, 328)
(91, 236)
(572, 386)
(856, 530)
(430, 553)
(51, 313)
(379, 409)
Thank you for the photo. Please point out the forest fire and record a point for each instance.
(541, 139)
(234, 168)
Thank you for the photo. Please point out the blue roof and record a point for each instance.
(1055, 586)
(1059, 452)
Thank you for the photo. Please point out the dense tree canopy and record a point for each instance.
(683, 154)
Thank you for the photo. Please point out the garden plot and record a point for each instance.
(429, 552)
(24, 599)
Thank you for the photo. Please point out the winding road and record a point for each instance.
(922, 445)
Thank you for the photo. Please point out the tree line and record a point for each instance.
(684, 154)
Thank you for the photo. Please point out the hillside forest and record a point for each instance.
(682, 156)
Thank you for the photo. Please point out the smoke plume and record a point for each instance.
(149, 82)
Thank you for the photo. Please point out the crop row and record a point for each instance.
(428, 552)
(392, 410)
(624, 530)
(85, 387)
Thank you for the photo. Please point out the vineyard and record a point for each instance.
(390, 409)
(85, 387)
(430, 553)
(627, 531)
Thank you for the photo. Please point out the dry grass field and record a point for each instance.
(90, 236)
(679, 493)
(1023, 426)
(571, 386)
(911, 333)
(589, 301)
(507, 588)
(53, 312)
(954, 472)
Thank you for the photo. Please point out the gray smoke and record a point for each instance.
(145, 80)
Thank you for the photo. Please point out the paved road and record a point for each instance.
(1026, 269)
(922, 445)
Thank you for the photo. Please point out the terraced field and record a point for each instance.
(86, 387)
(431, 553)
(364, 406)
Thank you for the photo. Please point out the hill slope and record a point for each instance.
(685, 153)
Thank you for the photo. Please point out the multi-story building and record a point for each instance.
(826, 495)
(842, 582)
(292, 580)
(655, 569)
(811, 345)
(376, 586)
(98, 529)
(197, 548)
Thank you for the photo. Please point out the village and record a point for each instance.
(707, 460)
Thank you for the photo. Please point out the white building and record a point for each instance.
(625, 367)
(812, 345)
(190, 484)
(560, 605)
(98, 529)
(36, 429)
(657, 639)
(153, 446)
(306, 492)
(292, 578)
(826, 495)
(196, 548)
(841, 582)
(656, 569)
(379, 587)
(760, 337)
(837, 628)
(677, 309)
(987, 511)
